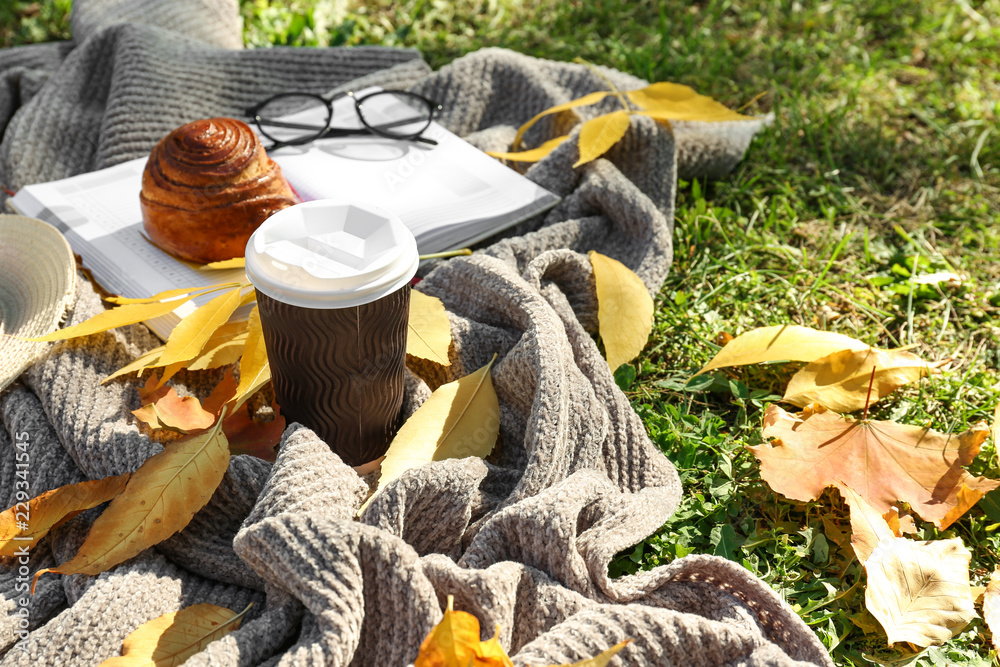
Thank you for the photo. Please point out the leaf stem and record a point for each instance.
(871, 382)
(611, 85)
(446, 253)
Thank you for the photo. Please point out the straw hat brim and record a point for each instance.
(37, 285)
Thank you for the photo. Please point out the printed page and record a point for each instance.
(100, 216)
(437, 191)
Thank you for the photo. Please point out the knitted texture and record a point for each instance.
(522, 540)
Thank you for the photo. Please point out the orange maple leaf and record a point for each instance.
(883, 462)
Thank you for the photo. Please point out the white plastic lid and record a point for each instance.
(331, 254)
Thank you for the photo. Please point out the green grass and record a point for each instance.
(885, 154)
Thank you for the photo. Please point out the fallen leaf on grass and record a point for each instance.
(429, 329)
(784, 342)
(599, 134)
(868, 527)
(454, 642)
(624, 309)
(47, 510)
(883, 462)
(159, 500)
(672, 101)
(995, 428)
(919, 591)
(991, 607)
(173, 638)
(900, 524)
(840, 381)
(460, 419)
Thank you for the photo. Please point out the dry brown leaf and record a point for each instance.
(26, 522)
(868, 527)
(173, 638)
(900, 524)
(252, 438)
(785, 342)
(429, 329)
(991, 607)
(181, 413)
(883, 462)
(919, 591)
(599, 134)
(840, 381)
(454, 642)
(624, 309)
(159, 500)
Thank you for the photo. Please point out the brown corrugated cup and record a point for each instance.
(333, 290)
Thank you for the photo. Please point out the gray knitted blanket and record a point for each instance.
(522, 540)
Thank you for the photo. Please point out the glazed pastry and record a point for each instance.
(206, 187)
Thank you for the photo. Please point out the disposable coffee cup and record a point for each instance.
(333, 291)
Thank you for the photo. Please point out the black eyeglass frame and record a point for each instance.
(325, 132)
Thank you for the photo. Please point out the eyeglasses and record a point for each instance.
(293, 119)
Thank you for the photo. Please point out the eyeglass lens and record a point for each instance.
(303, 118)
(395, 113)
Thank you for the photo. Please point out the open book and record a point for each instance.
(450, 196)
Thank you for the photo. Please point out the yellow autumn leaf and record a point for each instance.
(116, 317)
(840, 381)
(991, 607)
(24, 523)
(172, 294)
(159, 500)
(995, 430)
(255, 371)
(234, 263)
(454, 642)
(144, 361)
(868, 527)
(624, 309)
(532, 154)
(591, 98)
(919, 591)
(783, 342)
(191, 333)
(967, 499)
(429, 329)
(224, 347)
(673, 101)
(599, 134)
(171, 639)
(460, 419)
(601, 660)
